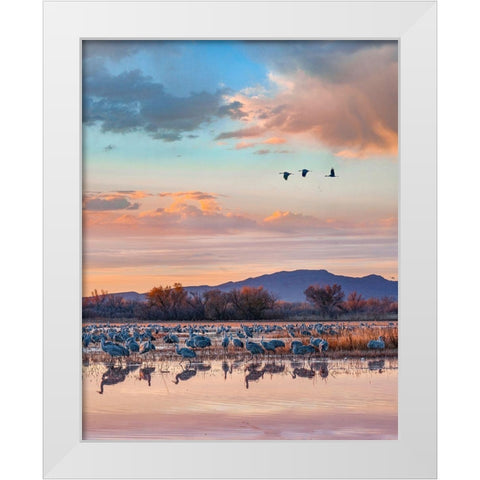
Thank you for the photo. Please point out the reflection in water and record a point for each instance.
(187, 374)
(321, 367)
(376, 365)
(203, 367)
(225, 369)
(146, 374)
(114, 375)
(273, 368)
(254, 374)
(240, 399)
(303, 372)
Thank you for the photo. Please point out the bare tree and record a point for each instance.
(216, 305)
(169, 300)
(195, 306)
(355, 303)
(327, 299)
(251, 303)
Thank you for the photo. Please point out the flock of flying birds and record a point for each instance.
(304, 173)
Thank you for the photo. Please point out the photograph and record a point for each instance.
(240, 239)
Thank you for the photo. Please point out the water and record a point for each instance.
(241, 400)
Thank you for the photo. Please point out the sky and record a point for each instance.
(184, 142)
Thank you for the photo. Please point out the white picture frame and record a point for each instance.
(66, 23)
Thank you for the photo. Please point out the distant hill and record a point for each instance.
(289, 286)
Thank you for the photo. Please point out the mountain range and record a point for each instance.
(289, 286)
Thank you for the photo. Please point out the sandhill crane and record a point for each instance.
(237, 343)
(248, 331)
(319, 343)
(185, 352)
(304, 172)
(170, 338)
(285, 175)
(268, 346)
(254, 348)
(277, 343)
(132, 345)
(200, 341)
(332, 174)
(377, 344)
(300, 349)
(114, 349)
(147, 347)
(86, 338)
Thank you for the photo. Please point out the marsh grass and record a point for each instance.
(358, 338)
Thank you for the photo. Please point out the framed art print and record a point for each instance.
(240, 239)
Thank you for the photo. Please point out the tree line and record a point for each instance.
(247, 303)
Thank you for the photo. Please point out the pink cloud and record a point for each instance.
(286, 220)
(207, 201)
(355, 118)
(274, 141)
(242, 145)
(299, 223)
(190, 212)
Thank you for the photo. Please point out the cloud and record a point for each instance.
(132, 101)
(286, 220)
(242, 145)
(232, 109)
(349, 103)
(119, 200)
(343, 94)
(331, 59)
(241, 133)
(269, 141)
(176, 219)
(207, 202)
(297, 223)
(133, 193)
(134, 206)
(116, 203)
(167, 136)
(199, 213)
(262, 152)
(274, 141)
(194, 195)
